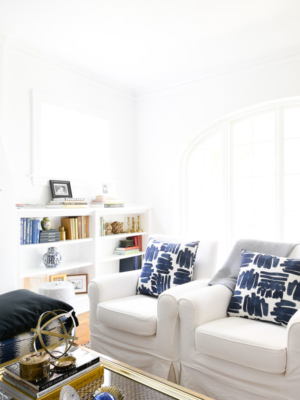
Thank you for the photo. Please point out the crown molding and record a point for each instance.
(259, 64)
(15, 43)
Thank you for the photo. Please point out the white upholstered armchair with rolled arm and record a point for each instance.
(231, 358)
(143, 330)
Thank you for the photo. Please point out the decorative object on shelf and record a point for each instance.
(62, 233)
(68, 393)
(108, 393)
(126, 243)
(117, 227)
(133, 230)
(108, 189)
(108, 228)
(60, 290)
(139, 224)
(128, 225)
(60, 189)
(79, 282)
(52, 258)
(58, 278)
(46, 224)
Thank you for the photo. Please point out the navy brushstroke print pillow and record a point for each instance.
(268, 288)
(166, 265)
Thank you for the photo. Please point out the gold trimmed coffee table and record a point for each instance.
(139, 385)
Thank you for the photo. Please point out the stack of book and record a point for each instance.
(113, 202)
(86, 370)
(30, 206)
(67, 203)
(29, 231)
(76, 227)
(98, 202)
(125, 251)
(51, 235)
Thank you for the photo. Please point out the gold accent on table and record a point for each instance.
(65, 362)
(35, 366)
(139, 224)
(112, 390)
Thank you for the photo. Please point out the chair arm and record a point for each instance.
(293, 347)
(113, 286)
(204, 305)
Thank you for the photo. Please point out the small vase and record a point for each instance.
(52, 258)
(46, 224)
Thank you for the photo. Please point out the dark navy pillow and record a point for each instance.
(20, 311)
(268, 288)
(166, 265)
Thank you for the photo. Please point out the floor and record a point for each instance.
(83, 330)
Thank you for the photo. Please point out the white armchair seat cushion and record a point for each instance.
(251, 343)
(134, 314)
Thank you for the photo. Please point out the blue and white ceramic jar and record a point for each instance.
(52, 258)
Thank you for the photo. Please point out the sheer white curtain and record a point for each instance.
(242, 177)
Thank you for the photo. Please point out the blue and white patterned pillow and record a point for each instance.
(268, 288)
(166, 265)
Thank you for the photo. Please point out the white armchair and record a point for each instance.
(236, 358)
(142, 330)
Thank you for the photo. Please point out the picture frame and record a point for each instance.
(58, 278)
(108, 189)
(60, 189)
(79, 282)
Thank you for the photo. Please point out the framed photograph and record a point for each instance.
(58, 278)
(108, 189)
(79, 282)
(61, 189)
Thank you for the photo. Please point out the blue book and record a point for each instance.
(27, 230)
(21, 230)
(34, 231)
(38, 228)
(24, 230)
(30, 232)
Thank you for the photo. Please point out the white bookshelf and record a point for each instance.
(93, 256)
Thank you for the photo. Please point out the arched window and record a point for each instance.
(240, 178)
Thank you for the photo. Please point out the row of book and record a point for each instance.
(86, 370)
(67, 203)
(76, 227)
(131, 249)
(30, 231)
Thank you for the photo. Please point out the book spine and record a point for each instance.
(30, 232)
(127, 248)
(87, 224)
(53, 393)
(125, 253)
(24, 230)
(84, 227)
(27, 230)
(21, 230)
(113, 205)
(68, 376)
(73, 229)
(79, 223)
(34, 222)
(76, 228)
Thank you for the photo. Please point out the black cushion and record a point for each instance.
(21, 309)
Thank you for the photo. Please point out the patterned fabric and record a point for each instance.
(19, 345)
(267, 289)
(166, 265)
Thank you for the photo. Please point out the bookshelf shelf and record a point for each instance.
(93, 256)
(115, 257)
(56, 244)
(121, 235)
(64, 266)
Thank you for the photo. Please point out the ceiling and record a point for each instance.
(146, 45)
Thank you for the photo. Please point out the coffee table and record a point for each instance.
(139, 385)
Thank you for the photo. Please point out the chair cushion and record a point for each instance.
(267, 288)
(243, 341)
(166, 265)
(133, 314)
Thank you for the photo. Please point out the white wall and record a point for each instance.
(23, 73)
(168, 119)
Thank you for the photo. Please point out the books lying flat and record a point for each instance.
(113, 205)
(127, 248)
(76, 381)
(125, 253)
(84, 360)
